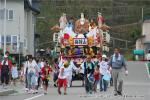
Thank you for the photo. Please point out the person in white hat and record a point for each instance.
(62, 77)
(103, 70)
(5, 67)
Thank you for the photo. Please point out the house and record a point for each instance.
(143, 43)
(20, 25)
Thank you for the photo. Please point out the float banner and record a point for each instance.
(80, 41)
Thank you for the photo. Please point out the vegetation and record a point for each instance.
(124, 16)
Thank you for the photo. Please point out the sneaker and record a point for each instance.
(65, 93)
(115, 94)
(68, 86)
(26, 89)
(59, 92)
(55, 85)
(90, 92)
(101, 90)
(6, 87)
(3, 85)
(36, 91)
(41, 87)
(45, 92)
(29, 91)
(119, 93)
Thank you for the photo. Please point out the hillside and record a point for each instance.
(124, 16)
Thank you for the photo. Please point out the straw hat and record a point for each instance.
(66, 64)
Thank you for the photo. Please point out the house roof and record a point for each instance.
(147, 21)
(34, 6)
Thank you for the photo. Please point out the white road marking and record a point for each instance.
(37, 96)
(147, 70)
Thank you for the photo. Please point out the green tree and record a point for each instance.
(135, 34)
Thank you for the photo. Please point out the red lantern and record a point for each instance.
(66, 36)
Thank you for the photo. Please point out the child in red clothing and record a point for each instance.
(45, 71)
(96, 77)
(62, 78)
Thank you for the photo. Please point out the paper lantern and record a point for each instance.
(90, 40)
(66, 36)
(70, 40)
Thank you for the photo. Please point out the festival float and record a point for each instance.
(82, 37)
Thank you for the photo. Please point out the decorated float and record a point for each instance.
(78, 38)
(75, 39)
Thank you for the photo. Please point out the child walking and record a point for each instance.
(14, 72)
(45, 71)
(103, 73)
(62, 78)
(96, 77)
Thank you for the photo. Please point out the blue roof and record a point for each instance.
(146, 18)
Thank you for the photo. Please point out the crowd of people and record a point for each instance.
(96, 72)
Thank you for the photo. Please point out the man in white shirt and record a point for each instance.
(148, 56)
(69, 73)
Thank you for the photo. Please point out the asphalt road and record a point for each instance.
(136, 87)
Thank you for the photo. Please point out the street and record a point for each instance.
(136, 87)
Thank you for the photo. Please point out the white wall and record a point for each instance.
(146, 30)
(22, 23)
(12, 27)
(29, 32)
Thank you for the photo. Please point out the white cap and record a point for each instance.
(5, 56)
(104, 56)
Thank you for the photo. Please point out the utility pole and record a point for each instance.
(4, 27)
(19, 40)
(142, 13)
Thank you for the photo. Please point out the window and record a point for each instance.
(14, 42)
(2, 39)
(14, 39)
(8, 39)
(10, 14)
(1, 13)
(25, 43)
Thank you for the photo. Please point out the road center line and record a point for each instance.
(147, 69)
(34, 97)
